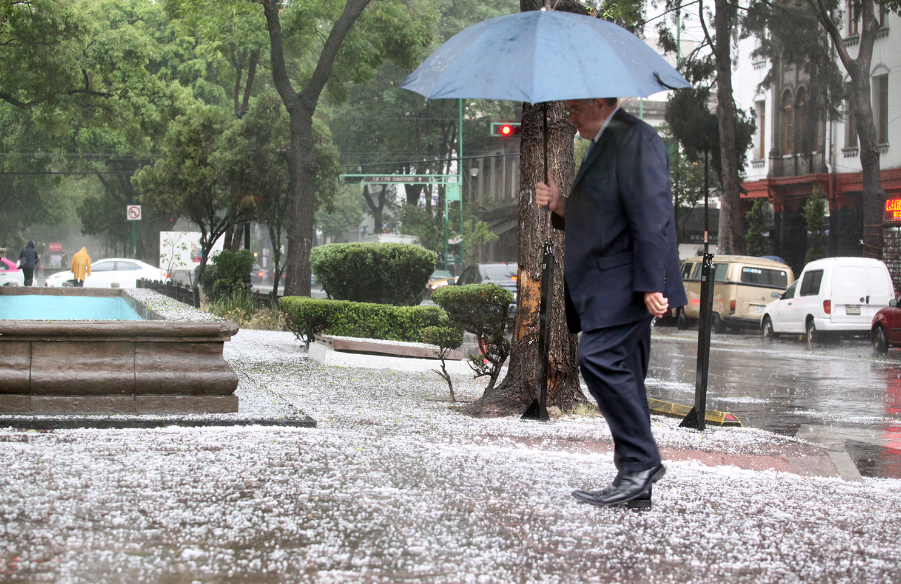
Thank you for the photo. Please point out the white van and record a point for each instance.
(833, 296)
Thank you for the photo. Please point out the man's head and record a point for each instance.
(588, 115)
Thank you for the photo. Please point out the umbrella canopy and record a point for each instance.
(540, 56)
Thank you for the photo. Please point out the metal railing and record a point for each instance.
(187, 294)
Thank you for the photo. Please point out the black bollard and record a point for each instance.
(538, 409)
(696, 417)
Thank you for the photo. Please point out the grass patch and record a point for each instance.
(248, 312)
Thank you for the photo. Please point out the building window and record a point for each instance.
(881, 16)
(761, 130)
(853, 18)
(850, 126)
(880, 107)
(788, 118)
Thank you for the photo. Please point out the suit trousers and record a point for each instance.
(614, 363)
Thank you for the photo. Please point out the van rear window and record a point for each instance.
(764, 277)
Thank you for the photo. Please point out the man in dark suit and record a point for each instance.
(621, 270)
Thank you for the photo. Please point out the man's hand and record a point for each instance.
(548, 195)
(657, 304)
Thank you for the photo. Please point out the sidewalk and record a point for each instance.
(395, 485)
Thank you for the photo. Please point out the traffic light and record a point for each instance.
(504, 129)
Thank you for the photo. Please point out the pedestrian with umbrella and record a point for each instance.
(543, 56)
(621, 269)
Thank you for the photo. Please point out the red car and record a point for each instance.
(886, 328)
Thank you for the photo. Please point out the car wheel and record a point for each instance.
(767, 329)
(682, 320)
(813, 336)
(880, 340)
(719, 326)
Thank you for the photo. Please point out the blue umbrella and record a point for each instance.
(541, 56)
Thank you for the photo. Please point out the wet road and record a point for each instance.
(840, 395)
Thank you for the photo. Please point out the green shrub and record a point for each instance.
(483, 310)
(225, 275)
(308, 317)
(446, 337)
(379, 273)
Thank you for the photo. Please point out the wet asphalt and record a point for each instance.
(840, 395)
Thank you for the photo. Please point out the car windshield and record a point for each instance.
(438, 274)
(500, 272)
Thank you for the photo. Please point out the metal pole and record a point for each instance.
(706, 193)
(696, 417)
(460, 174)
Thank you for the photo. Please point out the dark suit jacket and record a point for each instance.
(620, 229)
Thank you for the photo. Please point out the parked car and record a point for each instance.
(258, 275)
(886, 328)
(10, 275)
(439, 279)
(743, 286)
(123, 272)
(833, 297)
(504, 275)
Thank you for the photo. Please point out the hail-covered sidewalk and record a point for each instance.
(394, 484)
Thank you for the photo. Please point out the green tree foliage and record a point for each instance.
(696, 128)
(758, 240)
(188, 182)
(252, 159)
(232, 43)
(347, 43)
(345, 215)
(26, 196)
(381, 129)
(226, 274)
(814, 213)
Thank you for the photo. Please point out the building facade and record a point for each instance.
(796, 153)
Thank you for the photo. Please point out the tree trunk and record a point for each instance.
(519, 387)
(303, 179)
(859, 71)
(301, 107)
(731, 234)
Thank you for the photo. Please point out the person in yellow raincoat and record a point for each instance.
(81, 266)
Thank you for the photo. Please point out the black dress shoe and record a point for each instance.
(633, 487)
(642, 501)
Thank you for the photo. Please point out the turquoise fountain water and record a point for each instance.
(65, 308)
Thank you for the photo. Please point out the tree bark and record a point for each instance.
(519, 388)
(862, 110)
(301, 107)
(731, 234)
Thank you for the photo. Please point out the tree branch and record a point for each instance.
(352, 11)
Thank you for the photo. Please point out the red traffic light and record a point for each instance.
(504, 129)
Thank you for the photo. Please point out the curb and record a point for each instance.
(675, 410)
(109, 423)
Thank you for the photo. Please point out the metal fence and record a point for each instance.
(187, 294)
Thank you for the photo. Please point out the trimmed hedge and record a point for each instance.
(379, 273)
(308, 317)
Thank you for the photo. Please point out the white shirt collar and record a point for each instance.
(604, 126)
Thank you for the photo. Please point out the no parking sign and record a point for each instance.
(133, 212)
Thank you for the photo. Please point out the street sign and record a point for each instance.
(452, 193)
(133, 212)
(410, 179)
